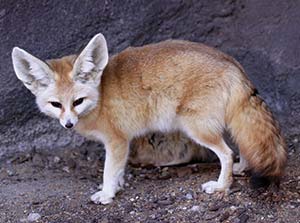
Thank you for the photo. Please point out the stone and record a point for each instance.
(32, 217)
(189, 196)
(270, 58)
(195, 208)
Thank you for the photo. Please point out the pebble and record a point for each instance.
(214, 207)
(153, 216)
(195, 208)
(33, 217)
(170, 211)
(129, 176)
(56, 159)
(10, 173)
(66, 169)
(270, 216)
(189, 196)
(165, 169)
(233, 208)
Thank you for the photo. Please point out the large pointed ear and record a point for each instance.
(91, 62)
(34, 73)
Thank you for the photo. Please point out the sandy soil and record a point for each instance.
(58, 186)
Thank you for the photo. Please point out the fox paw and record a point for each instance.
(238, 169)
(101, 197)
(213, 186)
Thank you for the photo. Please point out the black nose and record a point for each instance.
(69, 125)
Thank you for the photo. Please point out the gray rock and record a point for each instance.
(32, 217)
(196, 208)
(10, 172)
(189, 196)
(264, 41)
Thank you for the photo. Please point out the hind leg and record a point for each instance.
(241, 166)
(215, 143)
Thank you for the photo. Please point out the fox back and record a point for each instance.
(148, 88)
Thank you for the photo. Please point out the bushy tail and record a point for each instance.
(258, 136)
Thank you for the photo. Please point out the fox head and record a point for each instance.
(65, 88)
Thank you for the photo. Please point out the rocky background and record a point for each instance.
(263, 36)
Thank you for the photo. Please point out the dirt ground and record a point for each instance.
(57, 187)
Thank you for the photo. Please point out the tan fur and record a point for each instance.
(191, 79)
(62, 69)
(170, 86)
(140, 84)
(257, 134)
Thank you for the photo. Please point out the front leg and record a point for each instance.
(115, 161)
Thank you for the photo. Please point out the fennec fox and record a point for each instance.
(172, 85)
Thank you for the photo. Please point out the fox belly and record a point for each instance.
(161, 149)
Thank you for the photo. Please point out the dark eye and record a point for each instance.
(56, 104)
(78, 102)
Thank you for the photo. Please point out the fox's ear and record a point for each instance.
(91, 62)
(34, 73)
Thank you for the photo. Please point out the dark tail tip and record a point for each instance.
(257, 181)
